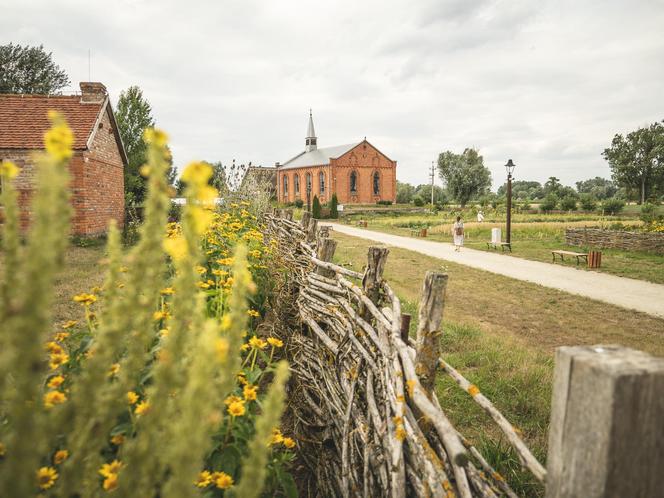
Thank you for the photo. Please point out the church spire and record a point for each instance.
(310, 141)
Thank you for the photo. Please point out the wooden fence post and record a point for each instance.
(311, 230)
(306, 216)
(606, 436)
(288, 214)
(429, 328)
(325, 252)
(376, 259)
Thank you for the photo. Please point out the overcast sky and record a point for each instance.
(546, 83)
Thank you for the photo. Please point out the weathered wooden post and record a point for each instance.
(376, 259)
(288, 214)
(325, 252)
(405, 327)
(429, 328)
(306, 216)
(606, 436)
(312, 228)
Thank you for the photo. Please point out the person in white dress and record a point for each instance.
(457, 232)
(480, 216)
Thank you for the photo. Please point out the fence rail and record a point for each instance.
(367, 388)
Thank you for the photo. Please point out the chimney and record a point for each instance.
(92, 92)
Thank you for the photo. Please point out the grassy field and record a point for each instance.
(501, 333)
(534, 236)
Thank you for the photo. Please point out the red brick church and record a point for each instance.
(97, 166)
(358, 173)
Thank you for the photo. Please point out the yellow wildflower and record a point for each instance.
(204, 479)
(61, 336)
(400, 433)
(142, 408)
(46, 477)
(288, 442)
(221, 347)
(253, 313)
(225, 261)
(277, 437)
(69, 324)
(257, 343)
(222, 480)
(54, 348)
(164, 332)
(175, 247)
(155, 136)
(197, 173)
(86, 299)
(9, 170)
(200, 269)
(168, 291)
(59, 139)
(274, 342)
(236, 408)
(53, 398)
(109, 469)
(111, 482)
(249, 392)
(244, 347)
(201, 218)
(118, 439)
(132, 397)
(115, 368)
(60, 456)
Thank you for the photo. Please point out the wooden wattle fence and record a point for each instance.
(366, 389)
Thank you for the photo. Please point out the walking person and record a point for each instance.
(457, 232)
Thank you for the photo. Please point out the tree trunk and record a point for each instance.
(643, 189)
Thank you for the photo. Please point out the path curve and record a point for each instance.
(621, 291)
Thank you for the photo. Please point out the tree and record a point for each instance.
(523, 190)
(588, 201)
(568, 203)
(464, 174)
(405, 192)
(29, 70)
(316, 208)
(637, 159)
(334, 214)
(552, 186)
(549, 203)
(598, 187)
(424, 191)
(134, 115)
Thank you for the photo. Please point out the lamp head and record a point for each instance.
(510, 166)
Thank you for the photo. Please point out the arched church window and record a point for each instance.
(308, 177)
(353, 181)
(285, 185)
(296, 184)
(376, 183)
(321, 182)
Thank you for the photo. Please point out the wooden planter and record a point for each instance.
(594, 259)
(423, 232)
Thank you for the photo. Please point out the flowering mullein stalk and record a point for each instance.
(253, 464)
(26, 327)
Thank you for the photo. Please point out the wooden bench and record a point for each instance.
(418, 232)
(577, 255)
(503, 245)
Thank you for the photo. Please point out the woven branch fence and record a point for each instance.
(366, 413)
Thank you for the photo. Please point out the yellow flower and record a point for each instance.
(175, 247)
(197, 173)
(167, 291)
(231, 399)
(236, 408)
(54, 348)
(60, 456)
(200, 269)
(249, 392)
(225, 261)
(274, 342)
(2, 450)
(204, 479)
(85, 299)
(111, 482)
(160, 315)
(244, 347)
(155, 136)
(109, 469)
(9, 170)
(115, 368)
(222, 480)
(46, 477)
(53, 398)
(221, 347)
(132, 397)
(142, 408)
(118, 439)
(61, 336)
(288, 442)
(277, 437)
(257, 343)
(201, 218)
(59, 139)
(253, 313)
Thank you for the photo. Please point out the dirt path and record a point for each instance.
(626, 292)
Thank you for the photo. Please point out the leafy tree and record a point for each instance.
(523, 190)
(568, 203)
(464, 174)
(588, 201)
(552, 186)
(405, 192)
(598, 187)
(424, 191)
(29, 70)
(134, 115)
(613, 205)
(316, 208)
(418, 201)
(549, 203)
(334, 213)
(637, 159)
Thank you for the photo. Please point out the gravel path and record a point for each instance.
(626, 292)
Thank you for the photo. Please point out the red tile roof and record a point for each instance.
(23, 119)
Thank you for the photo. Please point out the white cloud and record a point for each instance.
(546, 83)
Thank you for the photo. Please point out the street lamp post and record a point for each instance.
(509, 167)
(309, 197)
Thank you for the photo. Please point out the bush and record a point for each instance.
(299, 203)
(525, 206)
(334, 214)
(613, 205)
(549, 203)
(384, 203)
(144, 377)
(418, 201)
(316, 208)
(647, 214)
(588, 202)
(568, 203)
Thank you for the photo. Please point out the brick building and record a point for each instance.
(358, 173)
(97, 166)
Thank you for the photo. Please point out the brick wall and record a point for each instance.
(97, 183)
(365, 160)
(314, 171)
